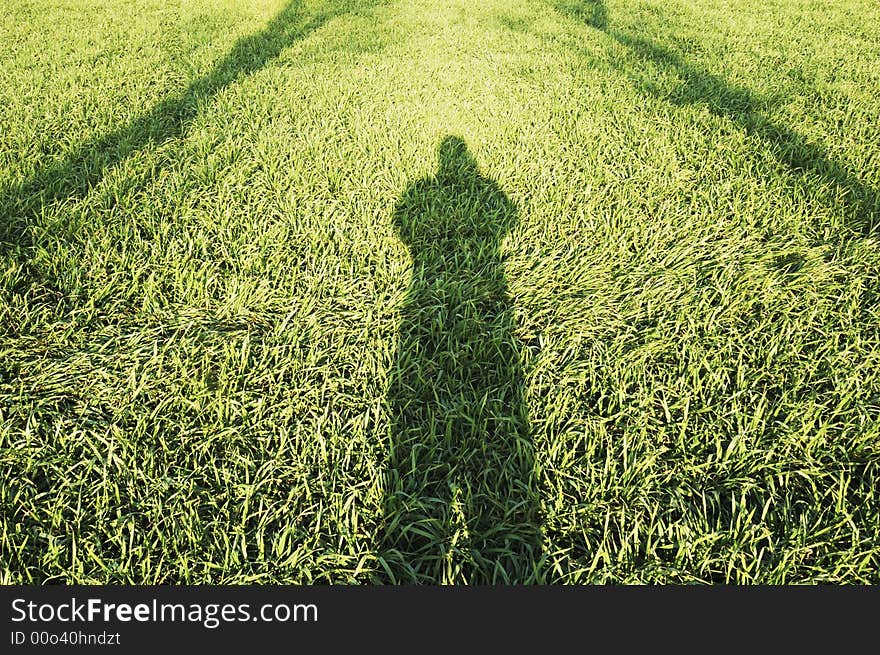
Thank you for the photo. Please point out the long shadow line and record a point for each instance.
(738, 104)
(75, 174)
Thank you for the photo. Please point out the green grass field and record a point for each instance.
(343, 291)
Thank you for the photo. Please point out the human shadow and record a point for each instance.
(461, 502)
(742, 107)
(76, 173)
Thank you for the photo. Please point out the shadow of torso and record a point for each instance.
(460, 500)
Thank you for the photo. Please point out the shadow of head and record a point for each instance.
(454, 160)
(457, 207)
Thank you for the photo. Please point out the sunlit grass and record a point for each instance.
(206, 296)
